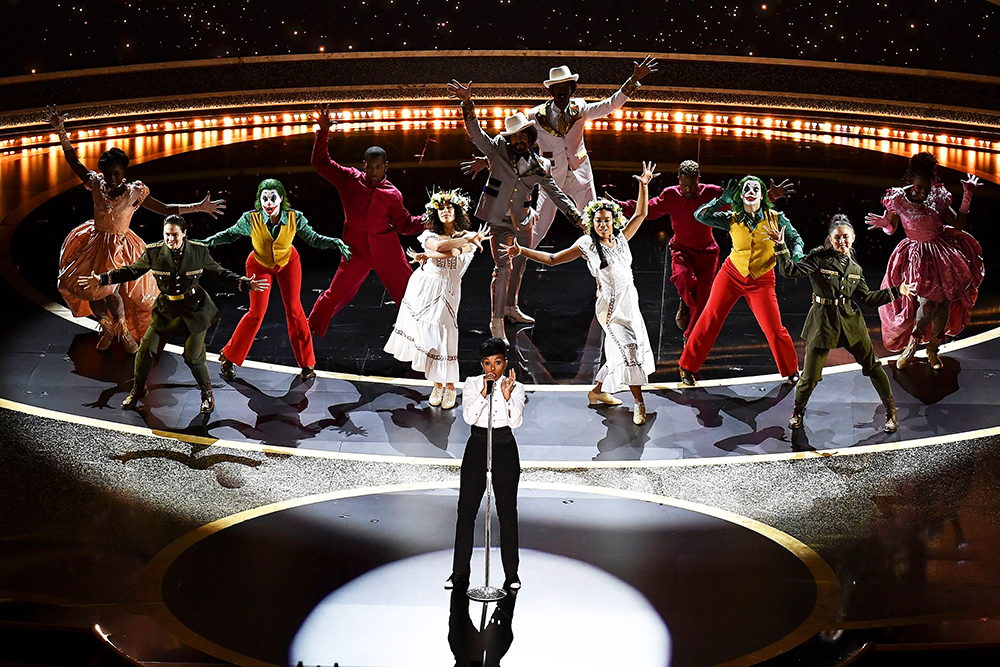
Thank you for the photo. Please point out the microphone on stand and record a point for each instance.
(489, 387)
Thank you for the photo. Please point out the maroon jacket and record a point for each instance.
(373, 213)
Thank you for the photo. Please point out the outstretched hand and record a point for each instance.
(323, 119)
(971, 182)
(908, 289)
(479, 236)
(345, 250)
(214, 207)
(462, 93)
(507, 384)
(89, 282)
(773, 232)
(419, 258)
(55, 119)
(257, 284)
(640, 70)
(728, 195)
(474, 166)
(781, 190)
(510, 251)
(882, 222)
(648, 169)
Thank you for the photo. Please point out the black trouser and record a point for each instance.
(506, 473)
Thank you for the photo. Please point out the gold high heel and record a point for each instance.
(602, 397)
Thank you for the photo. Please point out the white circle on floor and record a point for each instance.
(568, 613)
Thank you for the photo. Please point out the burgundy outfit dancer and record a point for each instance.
(374, 216)
(944, 262)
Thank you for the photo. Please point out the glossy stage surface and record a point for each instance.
(314, 520)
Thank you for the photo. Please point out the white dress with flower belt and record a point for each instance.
(628, 357)
(426, 329)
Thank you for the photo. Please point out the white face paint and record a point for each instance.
(751, 195)
(270, 202)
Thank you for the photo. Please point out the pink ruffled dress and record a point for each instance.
(106, 243)
(945, 263)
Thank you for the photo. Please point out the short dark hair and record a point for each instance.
(689, 168)
(493, 346)
(376, 151)
(922, 164)
(174, 219)
(113, 155)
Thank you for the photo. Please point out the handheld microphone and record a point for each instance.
(489, 387)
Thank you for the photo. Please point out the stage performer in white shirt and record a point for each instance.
(508, 413)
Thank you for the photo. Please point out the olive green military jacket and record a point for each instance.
(833, 280)
(195, 310)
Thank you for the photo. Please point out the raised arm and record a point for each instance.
(958, 220)
(648, 169)
(594, 110)
(336, 173)
(214, 207)
(239, 230)
(310, 236)
(58, 121)
(792, 238)
(548, 258)
(464, 95)
(711, 214)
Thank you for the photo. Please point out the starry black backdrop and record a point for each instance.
(47, 35)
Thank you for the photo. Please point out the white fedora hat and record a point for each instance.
(558, 75)
(514, 124)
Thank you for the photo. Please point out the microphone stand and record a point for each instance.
(487, 593)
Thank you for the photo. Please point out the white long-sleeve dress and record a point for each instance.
(628, 357)
(426, 329)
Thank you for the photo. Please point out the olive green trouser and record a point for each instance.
(863, 353)
(194, 354)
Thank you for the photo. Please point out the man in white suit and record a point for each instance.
(560, 122)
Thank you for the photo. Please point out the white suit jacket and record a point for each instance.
(567, 151)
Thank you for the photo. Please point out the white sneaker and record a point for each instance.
(436, 395)
(448, 402)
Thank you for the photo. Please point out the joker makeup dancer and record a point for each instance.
(628, 356)
(374, 217)
(938, 256)
(182, 308)
(504, 204)
(748, 272)
(694, 253)
(106, 243)
(834, 319)
(508, 413)
(272, 226)
(426, 329)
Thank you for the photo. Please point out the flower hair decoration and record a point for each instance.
(617, 217)
(442, 198)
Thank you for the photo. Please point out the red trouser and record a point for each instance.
(391, 267)
(692, 272)
(727, 289)
(289, 278)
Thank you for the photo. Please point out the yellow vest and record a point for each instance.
(270, 252)
(753, 252)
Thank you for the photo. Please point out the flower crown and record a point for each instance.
(442, 198)
(617, 217)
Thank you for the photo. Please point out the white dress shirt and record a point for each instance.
(505, 413)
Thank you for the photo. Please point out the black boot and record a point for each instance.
(138, 391)
(308, 373)
(891, 418)
(228, 369)
(207, 399)
(687, 377)
(798, 416)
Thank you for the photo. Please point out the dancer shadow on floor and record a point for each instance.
(483, 646)
(433, 423)
(624, 440)
(925, 384)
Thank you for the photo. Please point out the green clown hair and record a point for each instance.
(617, 216)
(765, 201)
(437, 200)
(272, 184)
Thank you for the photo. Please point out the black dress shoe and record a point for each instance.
(512, 585)
(687, 377)
(308, 373)
(207, 400)
(458, 581)
(228, 369)
(793, 379)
